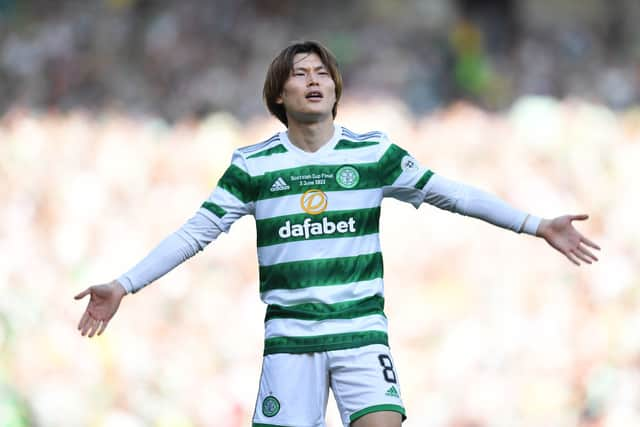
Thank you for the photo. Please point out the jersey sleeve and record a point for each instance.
(175, 249)
(402, 176)
(233, 197)
(470, 201)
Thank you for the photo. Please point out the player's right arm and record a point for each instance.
(178, 247)
(226, 204)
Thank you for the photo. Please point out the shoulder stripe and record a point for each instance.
(255, 147)
(277, 149)
(345, 144)
(373, 134)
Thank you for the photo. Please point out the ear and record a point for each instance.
(279, 100)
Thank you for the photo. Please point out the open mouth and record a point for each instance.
(313, 95)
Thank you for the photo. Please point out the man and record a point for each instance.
(315, 191)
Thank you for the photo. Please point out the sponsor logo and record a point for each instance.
(280, 185)
(392, 392)
(314, 201)
(409, 164)
(347, 177)
(270, 406)
(310, 228)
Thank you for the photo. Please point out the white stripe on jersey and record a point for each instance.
(302, 328)
(324, 294)
(337, 200)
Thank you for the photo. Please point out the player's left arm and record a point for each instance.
(466, 200)
(405, 179)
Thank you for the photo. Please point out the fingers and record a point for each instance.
(580, 253)
(587, 253)
(89, 326)
(589, 243)
(580, 217)
(103, 327)
(571, 258)
(95, 325)
(83, 320)
(581, 256)
(83, 294)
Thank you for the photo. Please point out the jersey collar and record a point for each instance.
(327, 147)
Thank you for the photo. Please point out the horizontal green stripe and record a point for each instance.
(322, 177)
(378, 408)
(317, 311)
(329, 342)
(321, 272)
(214, 209)
(390, 164)
(266, 425)
(237, 182)
(345, 144)
(273, 150)
(423, 180)
(366, 222)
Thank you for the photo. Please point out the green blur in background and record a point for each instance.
(118, 118)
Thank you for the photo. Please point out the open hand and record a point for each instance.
(562, 236)
(103, 304)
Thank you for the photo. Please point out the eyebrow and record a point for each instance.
(319, 67)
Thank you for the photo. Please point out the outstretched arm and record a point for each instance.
(561, 235)
(466, 200)
(105, 299)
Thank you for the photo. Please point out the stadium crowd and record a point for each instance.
(195, 57)
(489, 328)
(117, 117)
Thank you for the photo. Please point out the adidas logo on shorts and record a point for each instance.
(392, 392)
(280, 185)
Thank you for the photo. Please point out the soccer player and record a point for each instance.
(315, 191)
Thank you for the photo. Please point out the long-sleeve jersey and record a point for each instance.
(317, 221)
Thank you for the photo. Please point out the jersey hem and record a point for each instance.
(322, 343)
(266, 425)
(378, 408)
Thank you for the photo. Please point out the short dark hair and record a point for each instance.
(280, 70)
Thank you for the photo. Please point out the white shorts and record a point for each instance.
(294, 388)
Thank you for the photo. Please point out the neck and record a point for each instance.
(310, 137)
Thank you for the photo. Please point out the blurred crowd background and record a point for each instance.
(117, 117)
(191, 58)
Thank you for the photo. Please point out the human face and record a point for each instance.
(309, 93)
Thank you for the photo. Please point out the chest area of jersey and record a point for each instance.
(318, 201)
(314, 189)
(323, 178)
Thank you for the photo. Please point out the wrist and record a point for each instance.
(542, 228)
(531, 225)
(119, 288)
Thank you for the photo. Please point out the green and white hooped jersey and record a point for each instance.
(317, 217)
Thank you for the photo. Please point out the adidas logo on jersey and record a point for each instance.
(392, 392)
(280, 185)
